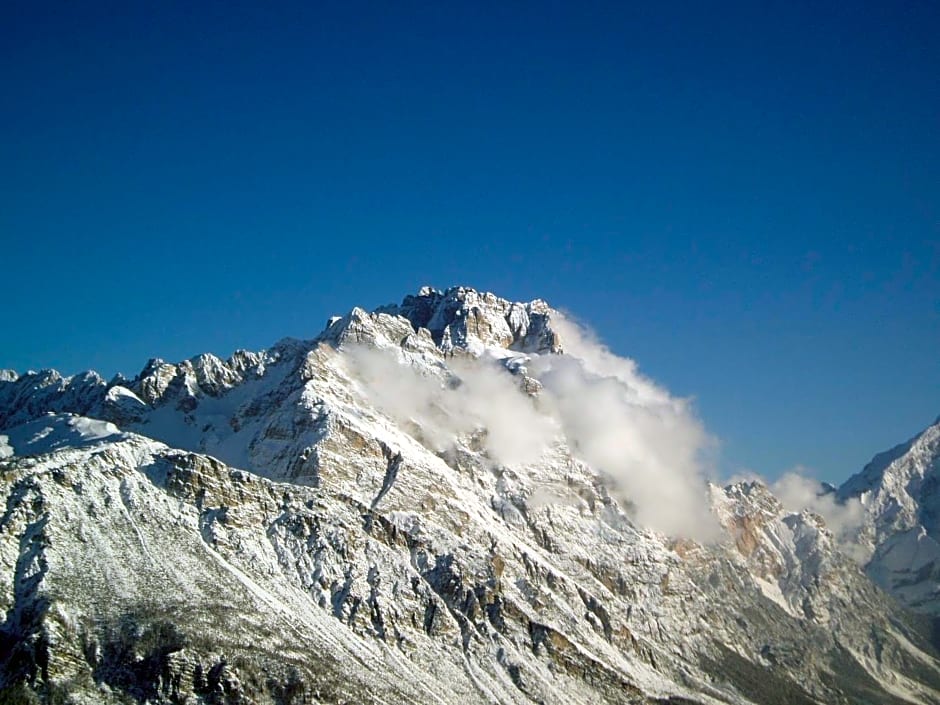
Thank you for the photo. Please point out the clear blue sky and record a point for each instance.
(743, 197)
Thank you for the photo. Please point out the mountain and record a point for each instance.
(900, 493)
(422, 504)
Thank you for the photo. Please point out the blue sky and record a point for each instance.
(744, 199)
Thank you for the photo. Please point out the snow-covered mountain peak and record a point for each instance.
(905, 466)
(901, 487)
(203, 375)
(463, 318)
(900, 493)
(753, 493)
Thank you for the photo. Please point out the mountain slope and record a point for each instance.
(900, 492)
(339, 547)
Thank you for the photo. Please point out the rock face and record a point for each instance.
(259, 530)
(463, 319)
(900, 493)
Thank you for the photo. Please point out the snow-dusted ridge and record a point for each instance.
(900, 492)
(346, 519)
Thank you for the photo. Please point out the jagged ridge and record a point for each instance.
(368, 565)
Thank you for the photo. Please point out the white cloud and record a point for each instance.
(465, 398)
(797, 491)
(648, 443)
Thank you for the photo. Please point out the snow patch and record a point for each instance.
(55, 431)
(773, 593)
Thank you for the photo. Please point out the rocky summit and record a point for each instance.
(413, 507)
